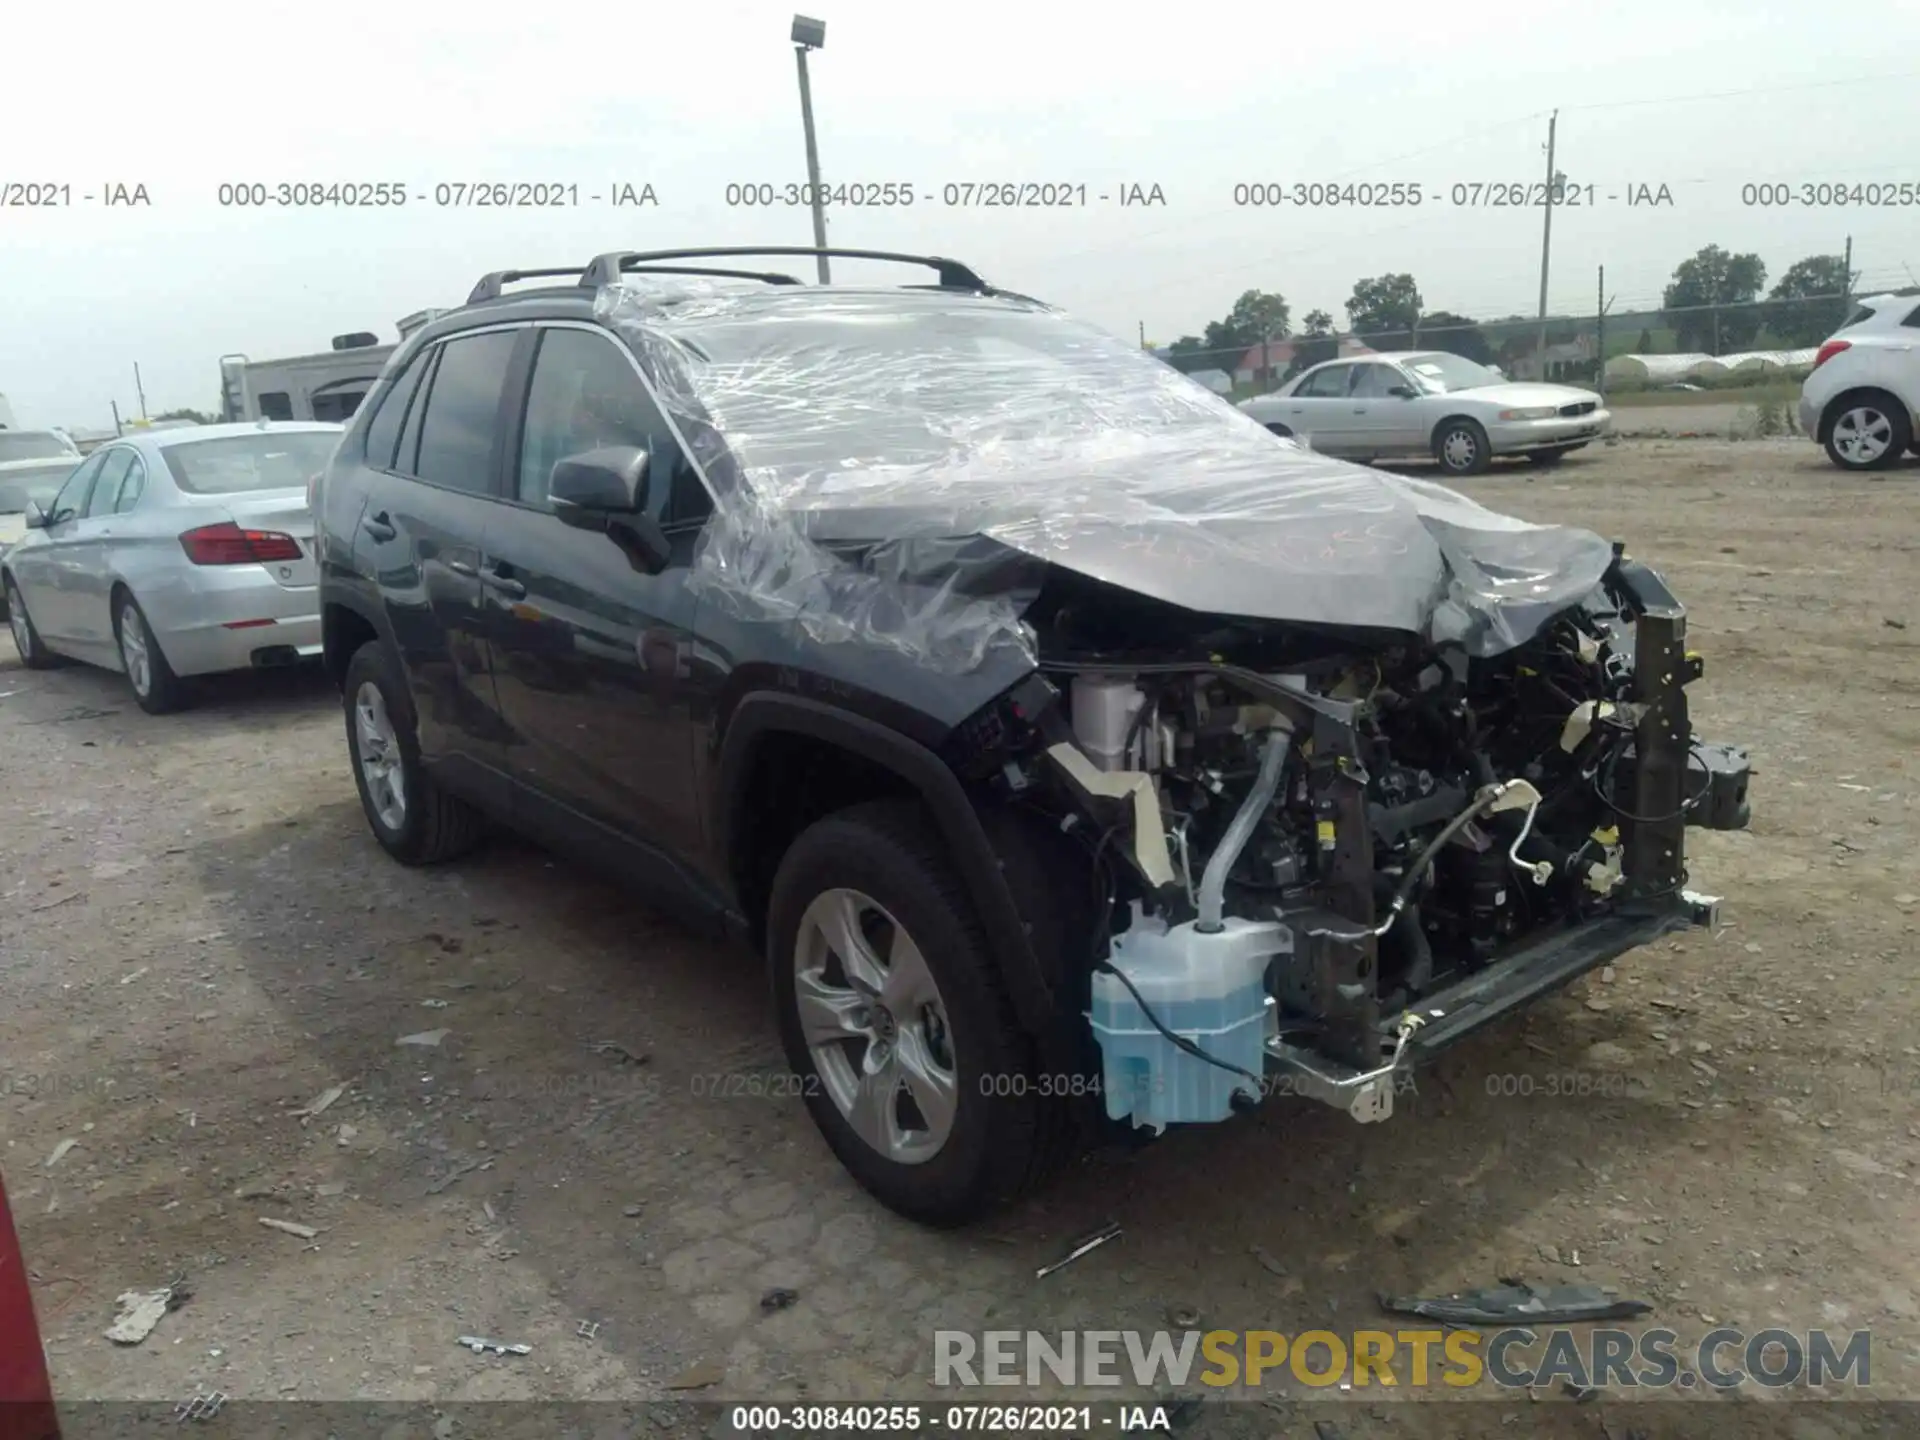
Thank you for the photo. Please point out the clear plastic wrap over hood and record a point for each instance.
(882, 455)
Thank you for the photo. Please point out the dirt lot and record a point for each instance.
(200, 938)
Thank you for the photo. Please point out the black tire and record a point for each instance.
(1545, 457)
(33, 650)
(156, 689)
(1000, 1145)
(1835, 426)
(432, 825)
(1461, 447)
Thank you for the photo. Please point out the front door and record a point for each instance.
(1384, 423)
(44, 571)
(591, 655)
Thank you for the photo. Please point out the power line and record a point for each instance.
(1851, 80)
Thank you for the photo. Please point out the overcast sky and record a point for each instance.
(688, 98)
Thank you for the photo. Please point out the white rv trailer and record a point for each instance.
(327, 386)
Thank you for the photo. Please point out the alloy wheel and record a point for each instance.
(1862, 435)
(875, 1026)
(377, 752)
(133, 650)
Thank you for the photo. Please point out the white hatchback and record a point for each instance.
(1862, 401)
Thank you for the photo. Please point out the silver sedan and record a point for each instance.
(172, 554)
(1406, 403)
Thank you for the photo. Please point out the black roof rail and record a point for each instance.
(771, 277)
(494, 282)
(607, 269)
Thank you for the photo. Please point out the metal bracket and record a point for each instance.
(1366, 1095)
(1702, 910)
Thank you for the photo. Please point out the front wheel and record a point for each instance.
(1462, 448)
(33, 650)
(155, 687)
(897, 1025)
(413, 818)
(1868, 432)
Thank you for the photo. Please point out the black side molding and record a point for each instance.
(974, 856)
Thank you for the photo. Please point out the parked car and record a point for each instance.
(1420, 403)
(26, 1392)
(35, 445)
(25, 484)
(1861, 400)
(1076, 756)
(174, 554)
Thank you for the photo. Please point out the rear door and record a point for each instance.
(1316, 411)
(124, 475)
(421, 536)
(590, 654)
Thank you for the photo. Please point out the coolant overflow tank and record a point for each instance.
(1209, 989)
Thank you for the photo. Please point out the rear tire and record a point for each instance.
(156, 689)
(987, 1134)
(33, 650)
(1462, 448)
(1867, 430)
(414, 819)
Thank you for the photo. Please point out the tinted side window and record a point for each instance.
(383, 432)
(456, 436)
(100, 502)
(1329, 382)
(72, 499)
(408, 455)
(1913, 318)
(585, 394)
(131, 488)
(275, 405)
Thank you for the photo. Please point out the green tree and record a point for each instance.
(1443, 330)
(1189, 353)
(1257, 315)
(1316, 343)
(1383, 311)
(1810, 300)
(199, 417)
(1710, 300)
(1645, 345)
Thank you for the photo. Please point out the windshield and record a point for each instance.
(33, 483)
(1442, 374)
(827, 401)
(34, 445)
(265, 461)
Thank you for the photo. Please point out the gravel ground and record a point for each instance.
(200, 938)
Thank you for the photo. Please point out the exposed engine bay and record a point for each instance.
(1313, 850)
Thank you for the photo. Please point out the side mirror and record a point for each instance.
(585, 490)
(605, 490)
(1402, 392)
(36, 518)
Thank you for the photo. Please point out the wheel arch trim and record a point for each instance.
(763, 714)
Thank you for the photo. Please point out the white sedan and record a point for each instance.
(171, 554)
(1405, 403)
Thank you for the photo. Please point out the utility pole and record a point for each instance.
(1546, 244)
(118, 428)
(1143, 334)
(1846, 280)
(809, 34)
(1600, 327)
(139, 389)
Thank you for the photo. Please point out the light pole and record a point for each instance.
(812, 35)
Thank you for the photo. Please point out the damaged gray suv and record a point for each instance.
(1080, 756)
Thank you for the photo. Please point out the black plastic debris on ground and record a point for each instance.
(1518, 1305)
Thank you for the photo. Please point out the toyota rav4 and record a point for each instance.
(1079, 755)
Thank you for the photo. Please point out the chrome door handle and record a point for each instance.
(505, 584)
(461, 567)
